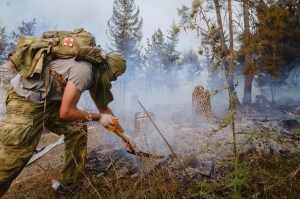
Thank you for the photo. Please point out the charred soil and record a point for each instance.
(203, 166)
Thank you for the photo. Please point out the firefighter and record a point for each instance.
(38, 101)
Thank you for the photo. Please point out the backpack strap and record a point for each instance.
(58, 77)
(75, 42)
(45, 102)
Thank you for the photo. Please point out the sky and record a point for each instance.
(92, 15)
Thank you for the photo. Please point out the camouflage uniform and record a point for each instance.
(20, 132)
(21, 128)
(6, 75)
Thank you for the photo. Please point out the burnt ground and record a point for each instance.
(186, 138)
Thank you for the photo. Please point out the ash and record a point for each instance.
(197, 147)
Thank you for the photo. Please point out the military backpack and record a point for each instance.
(34, 53)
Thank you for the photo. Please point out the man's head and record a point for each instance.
(112, 63)
(116, 63)
(113, 67)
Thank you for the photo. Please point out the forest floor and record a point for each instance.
(200, 167)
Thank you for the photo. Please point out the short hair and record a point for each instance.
(11, 53)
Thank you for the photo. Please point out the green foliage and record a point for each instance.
(191, 60)
(240, 178)
(125, 26)
(27, 28)
(155, 54)
(3, 45)
(276, 40)
(231, 185)
(274, 176)
(125, 34)
(172, 54)
(227, 118)
(161, 54)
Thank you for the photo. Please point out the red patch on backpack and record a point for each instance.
(68, 41)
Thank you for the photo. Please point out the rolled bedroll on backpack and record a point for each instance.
(34, 53)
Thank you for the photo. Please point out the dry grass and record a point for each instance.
(265, 175)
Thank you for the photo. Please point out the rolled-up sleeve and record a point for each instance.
(81, 75)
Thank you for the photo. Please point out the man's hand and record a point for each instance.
(106, 120)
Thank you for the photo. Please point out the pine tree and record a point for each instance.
(155, 53)
(276, 42)
(125, 29)
(125, 34)
(270, 29)
(290, 42)
(249, 68)
(155, 61)
(27, 28)
(191, 61)
(3, 45)
(172, 59)
(173, 55)
(266, 43)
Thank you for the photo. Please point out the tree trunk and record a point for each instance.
(201, 103)
(248, 71)
(228, 67)
(247, 98)
(232, 94)
(220, 26)
(231, 67)
(272, 92)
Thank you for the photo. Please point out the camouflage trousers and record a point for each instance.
(21, 130)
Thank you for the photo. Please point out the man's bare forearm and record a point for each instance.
(105, 110)
(78, 114)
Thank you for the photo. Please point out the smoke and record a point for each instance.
(91, 15)
(163, 95)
